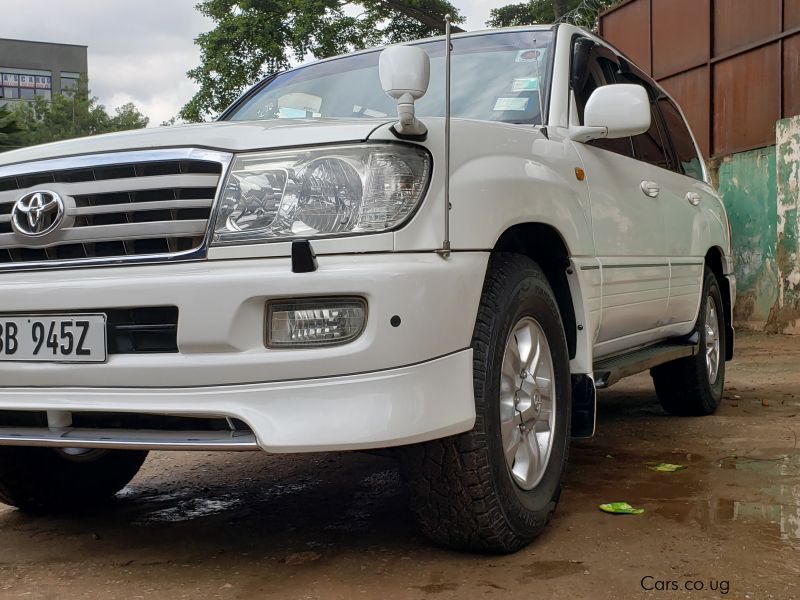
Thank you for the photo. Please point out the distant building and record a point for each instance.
(30, 69)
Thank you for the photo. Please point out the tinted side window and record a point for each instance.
(586, 75)
(685, 151)
(652, 146)
(593, 67)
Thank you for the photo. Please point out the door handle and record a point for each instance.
(650, 189)
(693, 198)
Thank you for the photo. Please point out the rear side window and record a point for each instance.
(685, 151)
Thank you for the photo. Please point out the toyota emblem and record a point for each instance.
(38, 213)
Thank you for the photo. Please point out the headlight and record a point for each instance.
(320, 192)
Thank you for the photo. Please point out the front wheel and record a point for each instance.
(62, 480)
(693, 385)
(496, 487)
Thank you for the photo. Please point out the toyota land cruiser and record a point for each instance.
(365, 253)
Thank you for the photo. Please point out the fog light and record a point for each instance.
(315, 322)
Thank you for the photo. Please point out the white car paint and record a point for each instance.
(234, 137)
(635, 274)
(222, 312)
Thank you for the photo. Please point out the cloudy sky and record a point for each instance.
(139, 51)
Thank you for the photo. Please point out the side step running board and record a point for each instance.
(608, 371)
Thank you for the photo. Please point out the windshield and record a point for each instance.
(495, 77)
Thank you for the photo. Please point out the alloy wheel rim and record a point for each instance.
(527, 403)
(712, 341)
(81, 454)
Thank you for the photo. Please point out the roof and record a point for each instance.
(45, 43)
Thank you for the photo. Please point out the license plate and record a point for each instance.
(53, 338)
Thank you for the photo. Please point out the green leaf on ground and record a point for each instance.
(666, 467)
(620, 508)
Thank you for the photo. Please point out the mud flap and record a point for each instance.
(584, 406)
(728, 300)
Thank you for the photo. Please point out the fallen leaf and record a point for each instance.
(666, 467)
(620, 508)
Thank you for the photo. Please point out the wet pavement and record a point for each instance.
(337, 526)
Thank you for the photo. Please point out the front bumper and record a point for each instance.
(371, 410)
(393, 385)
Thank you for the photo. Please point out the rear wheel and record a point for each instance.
(693, 385)
(61, 480)
(495, 488)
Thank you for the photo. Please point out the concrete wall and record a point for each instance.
(761, 191)
(785, 314)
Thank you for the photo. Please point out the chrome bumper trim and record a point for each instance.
(105, 159)
(128, 439)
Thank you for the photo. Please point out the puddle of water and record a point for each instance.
(184, 505)
(782, 511)
(781, 517)
(193, 508)
(279, 490)
(131, 493)
(774, 508)
(784, 465)
(774, 520)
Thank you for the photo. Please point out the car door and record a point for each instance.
(683, 216)
(629, 232)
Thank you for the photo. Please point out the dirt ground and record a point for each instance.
(337, 526)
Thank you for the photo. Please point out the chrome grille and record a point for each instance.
(123, 206)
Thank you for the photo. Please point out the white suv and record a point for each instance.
(307, 274)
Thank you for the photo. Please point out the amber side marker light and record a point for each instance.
(580, 174)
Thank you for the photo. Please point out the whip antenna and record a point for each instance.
(444, 251)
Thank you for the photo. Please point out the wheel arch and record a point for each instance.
(544, 245)
(715, 260)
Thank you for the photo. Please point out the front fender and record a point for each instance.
(500, 175)
(536, 184)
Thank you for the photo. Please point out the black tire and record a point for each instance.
(683, 386)
(462, 492)
(48, 480)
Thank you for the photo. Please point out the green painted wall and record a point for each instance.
(761, 191)
(747, 182)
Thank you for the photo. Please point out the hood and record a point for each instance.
(223, 135)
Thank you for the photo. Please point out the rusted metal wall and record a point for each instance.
(733, 65)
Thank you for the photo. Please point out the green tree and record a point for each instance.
(10, 130)
(579, 12)
(72, 115)
(128, 117)
(254, 38)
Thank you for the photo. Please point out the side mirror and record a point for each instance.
(614, 111)
(405, 73)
